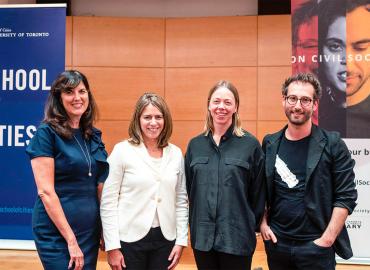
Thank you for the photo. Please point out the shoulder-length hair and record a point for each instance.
(134, 129)
(55, 113)
(237, 123)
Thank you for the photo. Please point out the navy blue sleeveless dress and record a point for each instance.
(77, 192)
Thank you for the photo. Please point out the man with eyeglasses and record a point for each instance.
(310, 186)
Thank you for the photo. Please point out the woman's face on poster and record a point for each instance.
(334, 51)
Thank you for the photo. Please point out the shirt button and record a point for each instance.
(159, 200)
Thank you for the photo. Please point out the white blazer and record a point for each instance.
(135, 189)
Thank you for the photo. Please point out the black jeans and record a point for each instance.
(299, 255)
(149, 253)
(214, 260)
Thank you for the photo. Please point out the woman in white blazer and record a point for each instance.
(144, 205)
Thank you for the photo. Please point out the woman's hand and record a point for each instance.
(267, 233)
(76, 256)
(43, 170)
(175, 256)
(102, 243)
(116, 260)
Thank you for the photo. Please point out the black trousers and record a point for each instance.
(149, 253)
(299, 255)
(214, 260)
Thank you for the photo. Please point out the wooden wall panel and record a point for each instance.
(68, 57)
(268, 127)
(187, 90)
(250, 126)
(270, 80)
(217, 41)
(109, 41)
(117, 55)
(184, 131)
(113, 132)
(116, 90)
(274, 40)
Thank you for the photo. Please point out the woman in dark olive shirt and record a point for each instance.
(225, 185)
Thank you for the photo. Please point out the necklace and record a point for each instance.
(87, 155)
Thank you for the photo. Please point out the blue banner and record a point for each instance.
(32, 54)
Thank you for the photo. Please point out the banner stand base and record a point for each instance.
(353, 260)
(17, 244)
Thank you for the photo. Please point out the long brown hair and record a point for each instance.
(134, 129)
(55, 113)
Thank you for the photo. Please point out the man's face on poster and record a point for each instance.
(307, 46)
(358, 49)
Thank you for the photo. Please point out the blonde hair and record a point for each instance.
(134, 129)
(237, 123)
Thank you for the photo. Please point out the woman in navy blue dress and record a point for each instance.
(69, 164)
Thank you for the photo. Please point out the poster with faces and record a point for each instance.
(331, 39)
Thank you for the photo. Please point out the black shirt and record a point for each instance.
(288, 215)
(358, 120)
(225, 185)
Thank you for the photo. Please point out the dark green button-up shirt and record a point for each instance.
(226, 189)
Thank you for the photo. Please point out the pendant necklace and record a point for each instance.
(87, 155)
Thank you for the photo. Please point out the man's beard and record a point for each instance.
(304, 116)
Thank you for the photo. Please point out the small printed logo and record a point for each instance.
(360, 182)
(5, 30)
(353, 224)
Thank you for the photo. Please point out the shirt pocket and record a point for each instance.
(236, 172)
(200, 169)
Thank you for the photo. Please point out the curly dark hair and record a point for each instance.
(55, 114)
(303, 78)
(353, 4)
